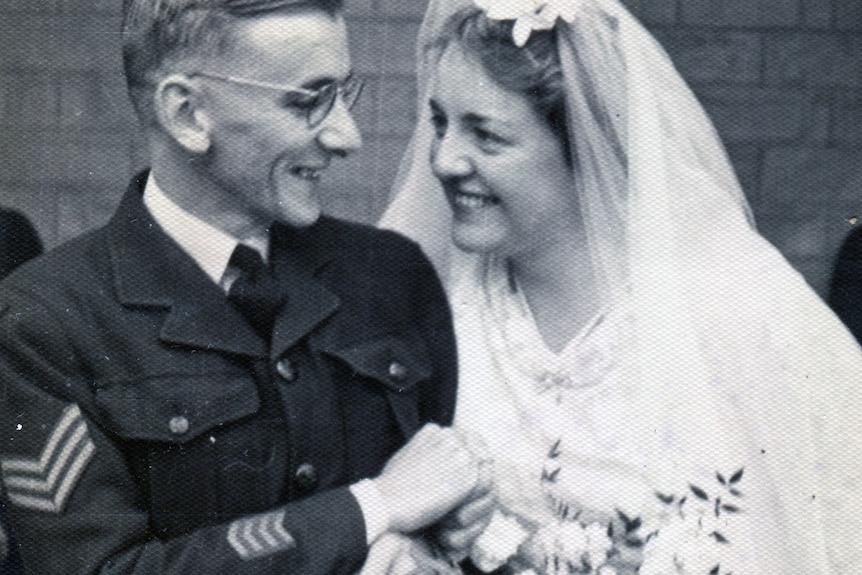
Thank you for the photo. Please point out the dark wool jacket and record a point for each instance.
(147, 428)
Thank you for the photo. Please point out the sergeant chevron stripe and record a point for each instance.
(45, 484)
(259, 535)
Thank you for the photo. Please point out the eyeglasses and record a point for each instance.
(316, 103)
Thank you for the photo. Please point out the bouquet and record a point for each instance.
(687, 535)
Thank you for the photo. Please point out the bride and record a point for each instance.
(661, 392)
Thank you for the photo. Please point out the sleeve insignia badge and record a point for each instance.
(259, 536)
(46, 483)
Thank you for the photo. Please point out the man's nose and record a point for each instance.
(339, 132)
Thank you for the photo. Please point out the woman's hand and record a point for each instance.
(462, 526)
(396, 554)
(458, 530)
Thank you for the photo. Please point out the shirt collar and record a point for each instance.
(210, 247)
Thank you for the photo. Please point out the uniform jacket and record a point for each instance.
(19, 243)
(147, 428)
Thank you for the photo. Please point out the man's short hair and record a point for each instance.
(158, 33)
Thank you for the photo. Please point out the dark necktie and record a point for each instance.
(255, 292)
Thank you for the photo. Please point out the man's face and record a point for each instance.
(264, 159)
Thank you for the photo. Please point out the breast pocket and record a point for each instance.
(380, 381)
(183, 437)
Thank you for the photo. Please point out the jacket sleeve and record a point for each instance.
(75, 506)
(433, 316)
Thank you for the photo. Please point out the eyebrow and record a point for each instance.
(472, 118)
(469, 118)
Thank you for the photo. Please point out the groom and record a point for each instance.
(221, 380)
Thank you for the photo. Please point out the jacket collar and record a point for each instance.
(297, 262)
(151, 271)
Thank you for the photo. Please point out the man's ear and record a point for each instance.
(180, 113)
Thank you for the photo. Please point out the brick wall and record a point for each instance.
(782, 80)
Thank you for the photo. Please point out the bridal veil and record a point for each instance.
(734, 354)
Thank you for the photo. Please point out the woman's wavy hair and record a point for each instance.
(158, 33)
(532, 70)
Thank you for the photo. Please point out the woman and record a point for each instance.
(661, 391)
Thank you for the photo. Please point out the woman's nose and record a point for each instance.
(449, 158)
(339, 132)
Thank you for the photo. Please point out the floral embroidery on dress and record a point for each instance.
(573, 546)
(690, 539)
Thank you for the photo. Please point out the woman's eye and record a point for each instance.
(487, 137)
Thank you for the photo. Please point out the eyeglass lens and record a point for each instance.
(349, 92)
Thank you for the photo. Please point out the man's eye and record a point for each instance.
(440, 123)
(298, 100)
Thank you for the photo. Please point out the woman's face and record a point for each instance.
(503, 170)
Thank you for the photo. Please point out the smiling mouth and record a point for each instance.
(308, 174)
(473, 201)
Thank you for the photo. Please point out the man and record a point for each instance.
(213, 382)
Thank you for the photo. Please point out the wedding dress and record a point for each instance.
(713, 408)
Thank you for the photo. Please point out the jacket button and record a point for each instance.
(306, 477)
(178, 425)
(397, 371)
(284, 367)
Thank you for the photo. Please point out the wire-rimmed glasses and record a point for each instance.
(317, 103)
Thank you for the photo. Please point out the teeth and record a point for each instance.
(472, 201)
(307, 174)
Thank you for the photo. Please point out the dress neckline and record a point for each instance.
(532, 325)
(519, 348)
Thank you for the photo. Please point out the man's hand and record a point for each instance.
(431, 475)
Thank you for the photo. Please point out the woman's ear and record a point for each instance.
(180, 113)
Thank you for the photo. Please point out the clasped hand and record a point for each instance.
(442, 478)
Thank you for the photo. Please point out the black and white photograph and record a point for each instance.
(431, 287)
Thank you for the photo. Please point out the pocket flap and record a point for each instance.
(398, 361)
(175, 409)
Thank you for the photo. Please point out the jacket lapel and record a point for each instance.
(151, 271)
(309, 302)
(213, 325)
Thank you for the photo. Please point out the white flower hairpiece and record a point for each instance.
(529, 15)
